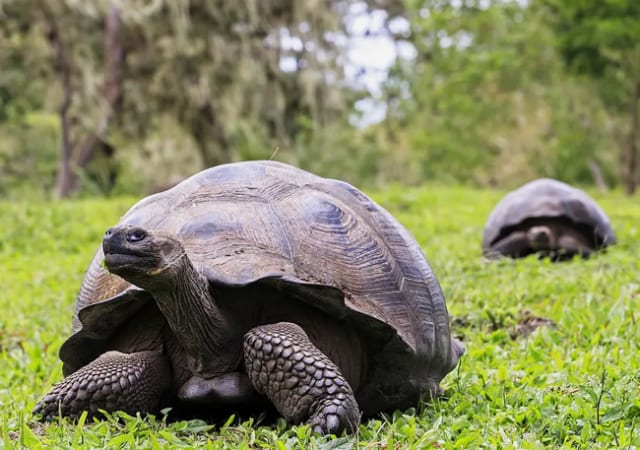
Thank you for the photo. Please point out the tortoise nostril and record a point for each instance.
(136, 235)
(108, 233)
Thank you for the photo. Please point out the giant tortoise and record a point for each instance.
(257, 279)
(547, 217)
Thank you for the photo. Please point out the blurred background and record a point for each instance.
(108, 97)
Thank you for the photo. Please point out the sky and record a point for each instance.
(370, 52)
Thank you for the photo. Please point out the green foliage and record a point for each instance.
(603, 35)
(29, 135)
(575, 385)
(486, 99)
(28, 155)
(599, 41)
(210, 71)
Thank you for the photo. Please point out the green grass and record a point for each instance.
(575, 385)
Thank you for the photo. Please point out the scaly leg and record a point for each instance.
(115, 381)
(300, 380)
(515, 245)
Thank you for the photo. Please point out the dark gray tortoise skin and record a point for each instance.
(256, 281)
(300, 380)
(549, 218)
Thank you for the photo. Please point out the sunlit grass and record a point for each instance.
(575, 385)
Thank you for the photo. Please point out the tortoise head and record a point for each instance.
(541, 237)
(141, 256)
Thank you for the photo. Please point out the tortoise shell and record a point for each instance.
(322, 240)
(548, 198)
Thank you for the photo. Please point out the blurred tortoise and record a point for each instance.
(257, 277)
(547, 217)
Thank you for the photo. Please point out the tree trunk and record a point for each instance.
(210, 137)
(598, 178)
(63, 66)
(112, 91)
(632, 145)
(71, 161)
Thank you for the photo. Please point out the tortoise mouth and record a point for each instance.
(127, 262)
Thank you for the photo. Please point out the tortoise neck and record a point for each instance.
(197, 321)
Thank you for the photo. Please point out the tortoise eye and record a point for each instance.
(136, 235)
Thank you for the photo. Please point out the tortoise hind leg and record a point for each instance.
(573, 243)
(232, 388)
(130, 382)
(300, 380)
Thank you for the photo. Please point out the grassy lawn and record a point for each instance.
(573, 385)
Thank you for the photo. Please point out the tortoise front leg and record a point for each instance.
(115, 381)
(515, 245)
(300, 380)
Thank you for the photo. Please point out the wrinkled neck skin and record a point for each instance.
(191, 312)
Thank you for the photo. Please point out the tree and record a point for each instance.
(463, 94)
(67, 61)
(75, 157)
(214, 67)
(600, 39)
(486, 99)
